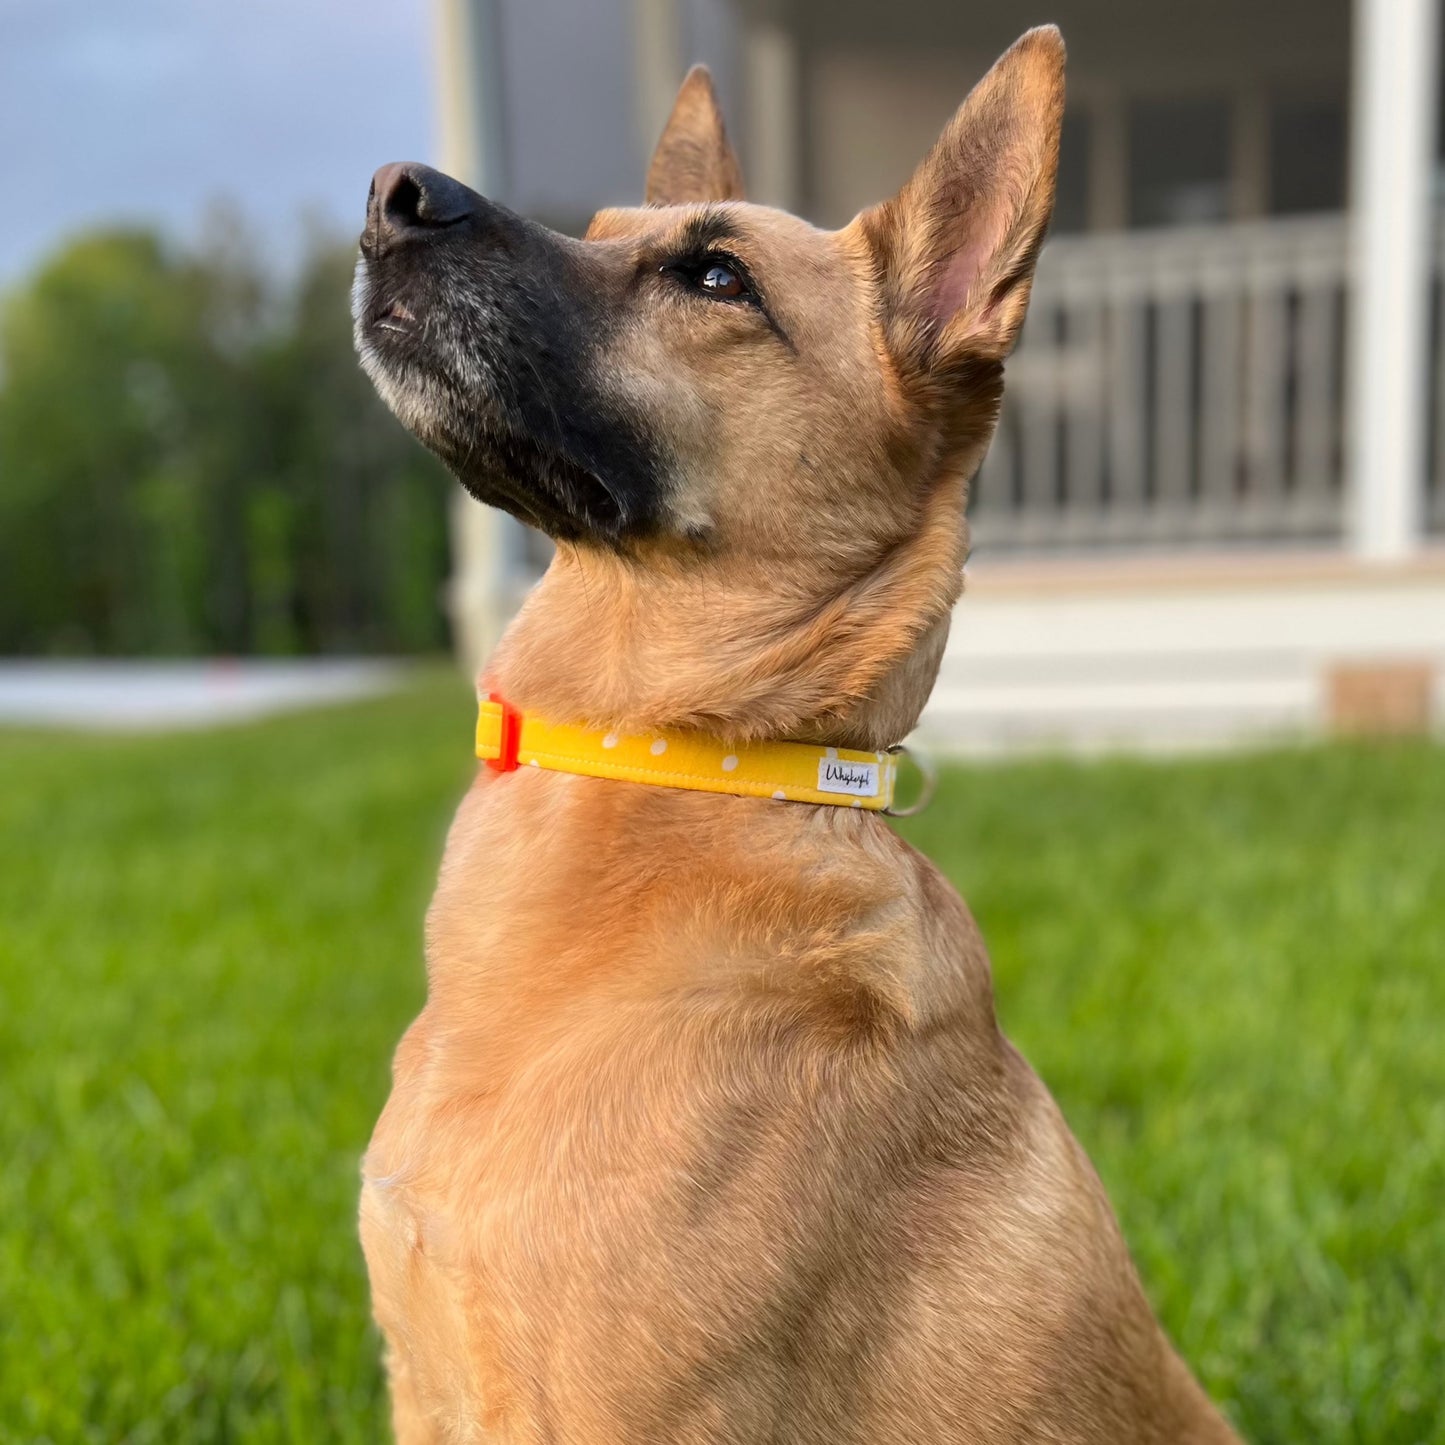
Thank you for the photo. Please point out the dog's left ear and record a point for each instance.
(693, 161)
(955, 249)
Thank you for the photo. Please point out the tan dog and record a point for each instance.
(707, 1131)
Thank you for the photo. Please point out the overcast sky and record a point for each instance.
(150, 109)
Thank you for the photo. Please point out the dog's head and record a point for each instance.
(761, 430)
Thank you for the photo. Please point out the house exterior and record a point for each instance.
(1220, 473)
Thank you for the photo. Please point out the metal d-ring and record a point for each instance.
(926, 771)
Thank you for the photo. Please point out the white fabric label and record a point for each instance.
(836, 776)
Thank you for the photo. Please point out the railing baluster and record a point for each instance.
(1087, 394)
(993, 519)
(1124, 515)
(1220, 407)
(1265, 359)
(1039, 408)
(1173, 404)
(1314, 410)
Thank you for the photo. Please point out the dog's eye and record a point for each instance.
(717, 277)
(720, 280)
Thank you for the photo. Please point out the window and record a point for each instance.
(1307, 149)
(1071, 200)
(1178, 162)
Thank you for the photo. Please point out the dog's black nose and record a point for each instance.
(410, 202)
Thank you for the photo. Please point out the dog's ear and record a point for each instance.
(693, 161)
(955, 249)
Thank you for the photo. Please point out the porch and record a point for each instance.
(1214, 510)
(1189, 387)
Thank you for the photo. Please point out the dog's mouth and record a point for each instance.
(391, 316)
(486, 335)
(456, 408)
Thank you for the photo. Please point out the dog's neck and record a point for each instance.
(744, 651)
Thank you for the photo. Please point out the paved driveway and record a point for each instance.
(121, 695)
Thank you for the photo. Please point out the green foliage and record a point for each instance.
(192, 463)
(1229, 972)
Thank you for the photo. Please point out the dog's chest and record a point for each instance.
(441, 1214)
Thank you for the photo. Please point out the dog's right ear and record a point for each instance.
(955, 249)
(693, 161)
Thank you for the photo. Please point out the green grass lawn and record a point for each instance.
(1231, 973)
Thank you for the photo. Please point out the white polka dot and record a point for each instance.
(830, 752)
(535, 763)
(857, 802)
(610, 741)
(659, 746)
(781, 796)
(730, 762)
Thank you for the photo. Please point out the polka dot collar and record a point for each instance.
(787, 772)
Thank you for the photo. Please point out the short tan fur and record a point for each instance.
(707, 1131)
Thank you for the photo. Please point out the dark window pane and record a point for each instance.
(1306, 156)
(1071, 204)
(1178, 162)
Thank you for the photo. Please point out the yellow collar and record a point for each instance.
(791, 772)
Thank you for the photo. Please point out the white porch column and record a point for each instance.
(1392, 162)
(658, 69)
(486, 543)
(772, 163)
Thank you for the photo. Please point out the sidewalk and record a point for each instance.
(125, 695)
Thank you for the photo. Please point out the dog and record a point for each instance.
(707, 1131)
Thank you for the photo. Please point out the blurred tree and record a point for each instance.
(191, 461)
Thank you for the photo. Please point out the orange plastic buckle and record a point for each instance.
(511, 737)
